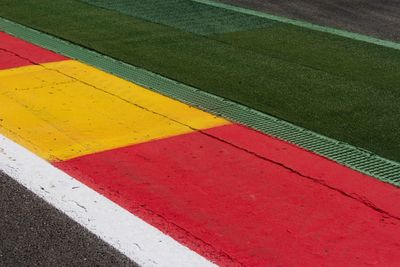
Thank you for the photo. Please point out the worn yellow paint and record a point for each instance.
(140, 96)
(72, 109)
(30, 77)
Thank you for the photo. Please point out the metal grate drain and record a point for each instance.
(348, 155)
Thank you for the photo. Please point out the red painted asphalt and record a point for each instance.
(257, 199)
(384, 196)
(237, 196)
(28, 54)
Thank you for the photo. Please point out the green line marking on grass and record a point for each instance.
(304, 24)
(348, 155)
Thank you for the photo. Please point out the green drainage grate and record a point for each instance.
(185, 15)
(355, 158)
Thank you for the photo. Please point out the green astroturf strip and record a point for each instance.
(341, 88)
(185, 15)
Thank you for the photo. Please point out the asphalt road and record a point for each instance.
(33, 233)
(377, 18)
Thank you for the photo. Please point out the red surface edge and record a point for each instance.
(15, 52)
(239, 197)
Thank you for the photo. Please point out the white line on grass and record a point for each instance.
(133, 237)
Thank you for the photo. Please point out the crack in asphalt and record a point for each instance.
(321, 182)
(17, 55)
(75, 202)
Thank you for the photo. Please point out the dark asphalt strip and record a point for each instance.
(33, 233)
(377, 18)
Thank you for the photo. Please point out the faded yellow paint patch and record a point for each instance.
(72, 109)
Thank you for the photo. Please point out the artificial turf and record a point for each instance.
(344, 89)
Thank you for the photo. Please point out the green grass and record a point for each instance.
(185, 15)
(344, 89)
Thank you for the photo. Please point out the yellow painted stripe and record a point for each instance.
(67, 109)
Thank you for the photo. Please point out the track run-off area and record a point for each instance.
(167, 183)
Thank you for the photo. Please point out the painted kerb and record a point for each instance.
(348, 155)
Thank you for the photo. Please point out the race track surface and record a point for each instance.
(36, 234)
(228, 194)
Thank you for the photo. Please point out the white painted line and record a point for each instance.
(138, 240)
